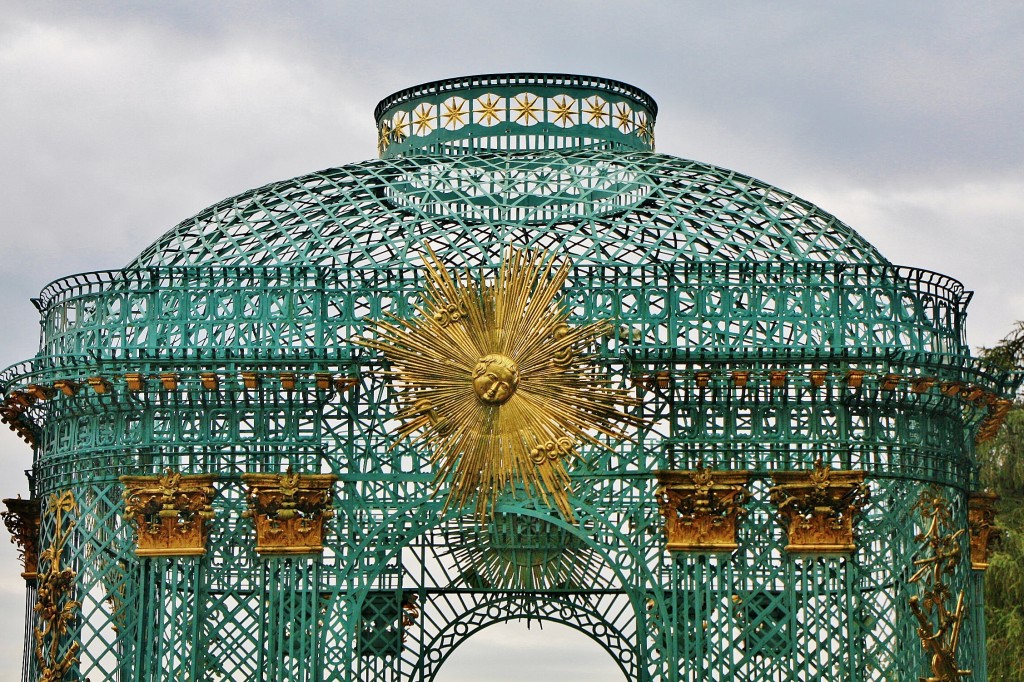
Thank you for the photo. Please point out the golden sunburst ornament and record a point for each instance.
(497, 383)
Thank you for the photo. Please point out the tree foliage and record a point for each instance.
(1002, 471)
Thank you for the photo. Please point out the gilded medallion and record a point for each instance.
(498, 384)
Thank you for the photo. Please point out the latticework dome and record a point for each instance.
(602, 207)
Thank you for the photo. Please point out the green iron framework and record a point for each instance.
(228, 348)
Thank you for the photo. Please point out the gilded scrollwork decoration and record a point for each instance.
(170, 512)
(818, 507)
(939, 617)
(289, 511)
(701, 508)
(56, 609)
(497, 383)
(22, 521)
(989, 427)
(981, 522)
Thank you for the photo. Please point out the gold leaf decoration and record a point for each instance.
(55, 610)
(938, 627)
(498, 384)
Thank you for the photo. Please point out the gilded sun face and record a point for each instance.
(495, 378)
(497, 382)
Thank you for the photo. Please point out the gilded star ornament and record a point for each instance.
(526, 110)
(564, 111)
(423, 119)
(497, 384)
(383, 138)
(595, 112)
(489, 110)
(623, 118)
(455, 113)
(399, 127)
(643, 128)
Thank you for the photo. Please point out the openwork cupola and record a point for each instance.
(515, 112)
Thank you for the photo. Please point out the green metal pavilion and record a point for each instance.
(222, 489)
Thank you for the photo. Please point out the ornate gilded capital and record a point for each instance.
(701, 508)
(289, 511)
(169, 512)
(22, 521)
(981, 522)
(818, 506)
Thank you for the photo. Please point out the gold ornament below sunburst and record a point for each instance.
(498, 384)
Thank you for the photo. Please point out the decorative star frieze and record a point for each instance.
(623, 118)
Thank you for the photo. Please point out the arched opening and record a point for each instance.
(505, 574)
(514, 651)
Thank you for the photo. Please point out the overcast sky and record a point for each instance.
(119, 119)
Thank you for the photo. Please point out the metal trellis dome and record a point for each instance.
(236, 466)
